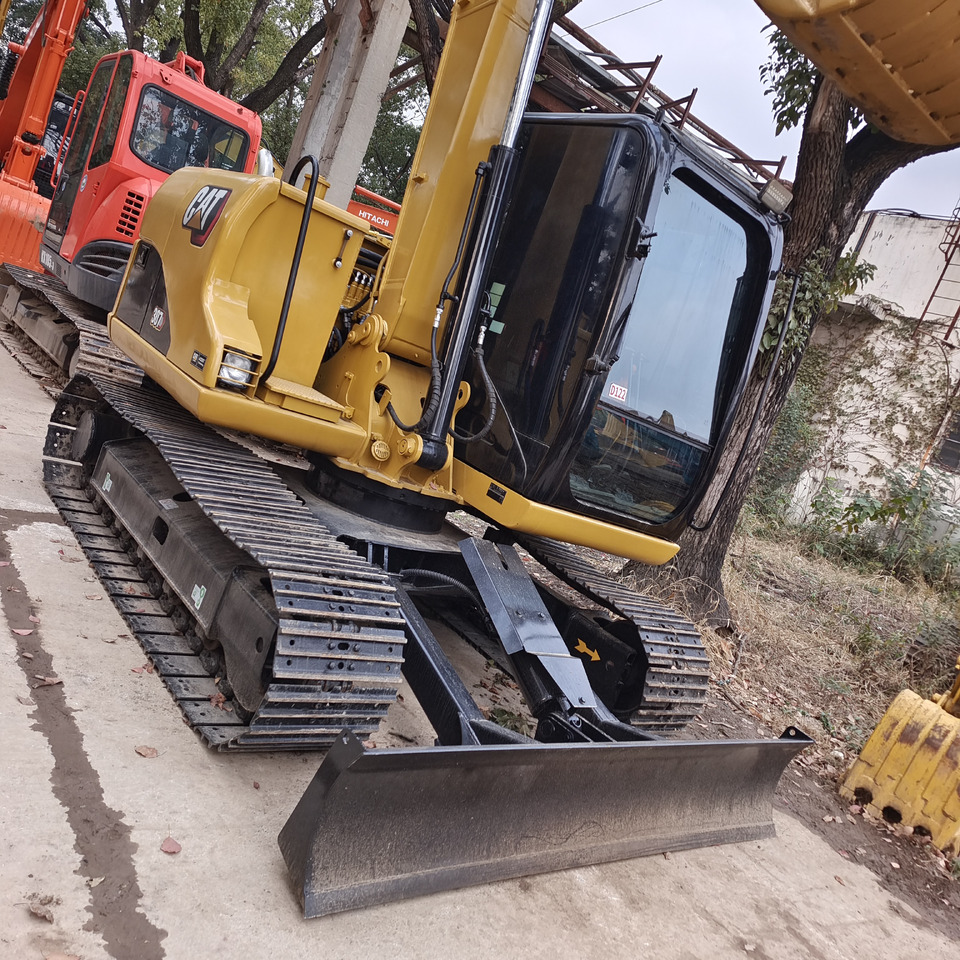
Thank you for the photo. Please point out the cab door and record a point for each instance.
(91, 147)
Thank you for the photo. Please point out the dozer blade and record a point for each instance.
(382, 825)
(909, 770)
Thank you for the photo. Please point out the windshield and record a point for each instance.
(171, 133)
(686, 331)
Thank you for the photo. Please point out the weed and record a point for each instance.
(512, 721)
(836, 686)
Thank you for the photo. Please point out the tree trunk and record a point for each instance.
(835, 181)
(428, 34)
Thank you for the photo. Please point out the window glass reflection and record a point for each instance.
(650, 432)
(171, 133)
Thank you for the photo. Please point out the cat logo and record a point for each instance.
(203, 212)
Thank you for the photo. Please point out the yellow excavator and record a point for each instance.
(555, 340)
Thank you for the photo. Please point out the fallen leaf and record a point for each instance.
(148, 752)
(39, 905)
(23, 633)
(840, 881)
(93, 596)
(170, 846)
(256, 786)
(41, 910)
(26, 701)
(4, 563)
(109, 639)
(220, 702)
(67, 559)
(136, 669)
(33, 619)
(148, 668)
(26, 654)
(46, 681)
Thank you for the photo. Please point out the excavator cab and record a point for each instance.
(616, 375)
(137, 122)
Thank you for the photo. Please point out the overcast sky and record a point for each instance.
(717, 46)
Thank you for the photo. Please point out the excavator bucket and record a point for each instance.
(909, 770)
(899, 62)
(382, 825)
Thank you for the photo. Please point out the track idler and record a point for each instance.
(382, 825)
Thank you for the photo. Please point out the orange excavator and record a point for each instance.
(137, 121)
(28, 84)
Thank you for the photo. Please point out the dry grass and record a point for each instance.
(823, 647)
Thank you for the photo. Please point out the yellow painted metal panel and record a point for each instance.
(897, 61)
(527, 516)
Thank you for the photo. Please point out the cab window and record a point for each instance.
(171, 133)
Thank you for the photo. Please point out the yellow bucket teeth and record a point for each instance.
(909, 770)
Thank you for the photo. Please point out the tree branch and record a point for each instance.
(124, 11)
(258, 100)
(190, 15)
(244, 43)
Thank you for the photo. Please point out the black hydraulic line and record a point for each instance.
(297, 254)
(467, 309)
(436, 373)
(491, 402)
(482, 170)
(756, 413)
(440, 579)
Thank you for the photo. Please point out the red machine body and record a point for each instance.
(137, 122)
(30, 76)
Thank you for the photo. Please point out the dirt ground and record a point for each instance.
(98, 774)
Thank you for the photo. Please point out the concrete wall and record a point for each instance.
(904, 247)
(890, 389)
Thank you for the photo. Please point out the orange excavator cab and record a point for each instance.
(139, 121)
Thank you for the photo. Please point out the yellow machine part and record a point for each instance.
(909, 770)
(898, 61)
(950, 701)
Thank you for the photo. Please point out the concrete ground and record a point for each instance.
(83, 817)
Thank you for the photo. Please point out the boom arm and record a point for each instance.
(23, 114)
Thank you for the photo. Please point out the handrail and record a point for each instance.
(297, 254)
(370, 195)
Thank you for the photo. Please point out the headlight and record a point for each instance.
(236, 370)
